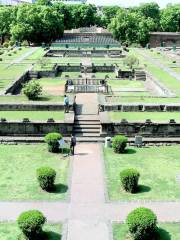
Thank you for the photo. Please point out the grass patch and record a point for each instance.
(141, 116)
(142, 99)
(18, 172)
(32, 115)
(167, 231)
(10, 231)
(158, 166)
(23, 98)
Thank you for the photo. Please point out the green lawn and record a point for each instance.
(10, 231)
(164, 77)
(167, 231)
(158, 167)
(141, 116)
(23, 98)
(32, 115)
(141, 99)
(18, 172)
(46, 82)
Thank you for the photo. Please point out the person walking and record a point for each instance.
(72, 144)
(66, 104)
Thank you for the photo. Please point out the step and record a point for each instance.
(87, 135)
(86, 130)
(87, 122)
(87, 126)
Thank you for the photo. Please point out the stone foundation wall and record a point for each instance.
(143, 129)
(34, 128)
(141, 107)
(31, 107)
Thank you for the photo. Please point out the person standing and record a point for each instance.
(72, 144)
(66, 104)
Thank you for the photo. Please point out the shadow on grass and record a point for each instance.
(53, 236)
(130, 151)
(163, 234)
(60, 188)
(143, 189)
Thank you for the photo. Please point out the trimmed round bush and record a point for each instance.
(142, 224)
(119, 143)
(46, 178)
(129, 180)
(32, 90)
(52, 140)
(31, 223)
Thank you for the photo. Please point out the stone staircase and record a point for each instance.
(87, 128)
(140, 75)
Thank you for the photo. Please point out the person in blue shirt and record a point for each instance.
(66, 104)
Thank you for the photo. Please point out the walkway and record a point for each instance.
(88, 213)
(159, 64)
(87, 103)
(21, 58)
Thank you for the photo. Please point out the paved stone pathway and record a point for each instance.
(161, 65)
(87, 103)
(21, 58)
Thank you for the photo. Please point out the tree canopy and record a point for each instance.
(45, 22)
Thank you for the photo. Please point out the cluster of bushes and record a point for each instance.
(128, 177)
(46, 175)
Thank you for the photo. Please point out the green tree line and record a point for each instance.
(45, 22)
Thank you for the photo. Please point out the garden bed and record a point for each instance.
(32, 115)
(167, 231)
(10, 231)
(159, 168)
(18, 172)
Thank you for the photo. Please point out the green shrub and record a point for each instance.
(31, 223)
(1, 52)
(52, 140)
(119, 143)
(129, 180)
(25, 43)
(46, 178)
(11, 43)
(6, 44)
(32, 90)
(142, 224)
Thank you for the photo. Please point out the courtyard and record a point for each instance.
(89, 122)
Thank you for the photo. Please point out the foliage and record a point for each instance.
(130, 61)
(52, 140)
(46, 178)
(119, 143)
(37, 23)
(108, 13)
(131, 27)
(5, 22)
(30, 223)
(32, 90)
(129, 180)
(6, 44)
(142, 224)
(170, 18)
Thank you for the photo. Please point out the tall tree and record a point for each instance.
(6, 18)
(170, 18)
(37, 24)
(150, 10)
(109, 12)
